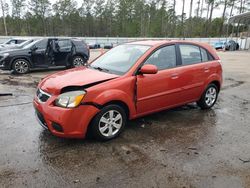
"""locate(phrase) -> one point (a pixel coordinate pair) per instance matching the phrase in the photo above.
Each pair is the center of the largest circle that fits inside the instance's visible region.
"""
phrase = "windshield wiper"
(100, 69)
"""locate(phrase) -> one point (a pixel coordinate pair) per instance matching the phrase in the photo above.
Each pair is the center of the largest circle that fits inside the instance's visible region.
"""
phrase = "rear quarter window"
(210, 57)
(204, 55)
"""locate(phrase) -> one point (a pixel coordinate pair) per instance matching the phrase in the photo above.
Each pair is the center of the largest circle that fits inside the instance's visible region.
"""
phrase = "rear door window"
(42, 45)
(65, 43)
(20, 41)
(190, 54)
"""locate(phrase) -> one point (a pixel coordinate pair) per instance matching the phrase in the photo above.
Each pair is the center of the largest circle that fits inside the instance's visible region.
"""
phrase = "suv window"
(64, 43)
(19, 41)
(163, 58)
(12, 42)
(190, 54)
(42, 44)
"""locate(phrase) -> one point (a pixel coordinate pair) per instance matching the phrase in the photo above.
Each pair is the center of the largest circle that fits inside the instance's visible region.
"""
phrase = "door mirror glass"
(148, 69)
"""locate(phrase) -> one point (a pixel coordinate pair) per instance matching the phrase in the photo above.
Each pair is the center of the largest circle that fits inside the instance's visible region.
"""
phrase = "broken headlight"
(70, 99)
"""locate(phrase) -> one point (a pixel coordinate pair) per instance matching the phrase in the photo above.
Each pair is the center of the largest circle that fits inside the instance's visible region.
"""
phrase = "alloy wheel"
(78, 61)
(21, 66)
(210, 96)
(110, 123)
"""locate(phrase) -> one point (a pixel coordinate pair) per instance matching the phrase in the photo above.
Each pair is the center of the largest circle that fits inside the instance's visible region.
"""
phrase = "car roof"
(150, 42)
(162, 42)
(156, 43)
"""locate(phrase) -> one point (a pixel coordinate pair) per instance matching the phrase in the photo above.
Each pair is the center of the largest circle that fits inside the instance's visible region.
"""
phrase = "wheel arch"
(217, 83)
(21, 57)
(119, 97)
(214, 79)
(119, 103)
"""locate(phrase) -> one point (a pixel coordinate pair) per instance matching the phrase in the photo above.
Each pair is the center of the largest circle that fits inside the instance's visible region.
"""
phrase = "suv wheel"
(108, 123)
(78, 61)
(209, 97)
(21, 66)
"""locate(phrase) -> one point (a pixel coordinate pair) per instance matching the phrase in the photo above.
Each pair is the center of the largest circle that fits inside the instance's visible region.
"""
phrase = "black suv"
(45, 53)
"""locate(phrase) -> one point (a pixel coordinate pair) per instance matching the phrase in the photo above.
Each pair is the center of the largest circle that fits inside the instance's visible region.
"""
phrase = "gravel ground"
(182, 147)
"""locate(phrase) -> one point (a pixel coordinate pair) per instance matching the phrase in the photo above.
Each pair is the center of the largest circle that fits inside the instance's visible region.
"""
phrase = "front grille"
(42, 96)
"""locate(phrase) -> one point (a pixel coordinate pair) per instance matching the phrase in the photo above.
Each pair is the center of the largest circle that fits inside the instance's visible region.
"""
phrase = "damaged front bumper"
(64, 122)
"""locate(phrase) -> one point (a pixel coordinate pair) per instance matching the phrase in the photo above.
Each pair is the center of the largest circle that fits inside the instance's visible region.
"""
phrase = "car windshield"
(120, 59)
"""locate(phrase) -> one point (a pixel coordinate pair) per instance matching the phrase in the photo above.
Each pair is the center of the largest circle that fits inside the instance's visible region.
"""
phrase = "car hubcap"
(110, 123)
(78, 62)
(210, 96)
(21, 66)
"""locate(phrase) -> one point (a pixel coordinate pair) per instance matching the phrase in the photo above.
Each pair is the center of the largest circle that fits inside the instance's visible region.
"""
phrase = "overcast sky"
(217, 11)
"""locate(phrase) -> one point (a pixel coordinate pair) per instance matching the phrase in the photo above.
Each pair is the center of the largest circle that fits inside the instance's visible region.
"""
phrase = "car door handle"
(206, 69)
(174, 76)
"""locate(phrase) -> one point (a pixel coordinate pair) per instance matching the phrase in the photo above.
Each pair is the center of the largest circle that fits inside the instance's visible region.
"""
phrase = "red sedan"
(127, 82)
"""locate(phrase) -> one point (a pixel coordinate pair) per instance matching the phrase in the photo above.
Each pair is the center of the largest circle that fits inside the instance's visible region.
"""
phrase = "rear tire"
(78, 61)
(21, 66)
(209, 97)
(108, 123)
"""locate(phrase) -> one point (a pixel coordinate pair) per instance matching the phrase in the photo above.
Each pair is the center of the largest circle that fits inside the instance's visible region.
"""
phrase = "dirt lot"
(183, 147)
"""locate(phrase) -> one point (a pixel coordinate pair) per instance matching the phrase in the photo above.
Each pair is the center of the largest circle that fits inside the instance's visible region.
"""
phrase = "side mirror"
(33, 48)
(148, 69)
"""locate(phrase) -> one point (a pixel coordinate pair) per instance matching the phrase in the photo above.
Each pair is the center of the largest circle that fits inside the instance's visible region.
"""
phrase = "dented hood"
(82, 76)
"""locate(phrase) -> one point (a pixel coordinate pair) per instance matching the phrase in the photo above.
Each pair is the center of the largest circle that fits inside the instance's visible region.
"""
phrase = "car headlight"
(70, 99)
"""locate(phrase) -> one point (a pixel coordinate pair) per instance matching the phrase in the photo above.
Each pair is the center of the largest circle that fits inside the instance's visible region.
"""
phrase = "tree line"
(123, 18)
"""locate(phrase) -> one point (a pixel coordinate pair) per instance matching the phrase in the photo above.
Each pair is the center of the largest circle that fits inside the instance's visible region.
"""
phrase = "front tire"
(209, 97)
(108, 123)
(21, 66)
